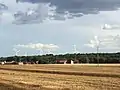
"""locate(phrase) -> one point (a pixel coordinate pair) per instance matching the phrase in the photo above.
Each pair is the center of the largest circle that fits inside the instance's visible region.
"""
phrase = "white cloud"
(111, 27)
(110, 42)
(42, 48)
(39, 46)
(94, 43)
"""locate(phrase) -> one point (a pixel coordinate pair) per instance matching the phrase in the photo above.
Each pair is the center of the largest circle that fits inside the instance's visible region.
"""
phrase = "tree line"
(80, 58)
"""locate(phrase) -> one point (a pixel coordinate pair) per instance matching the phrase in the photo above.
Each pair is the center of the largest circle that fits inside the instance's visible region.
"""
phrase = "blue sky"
(60, 22)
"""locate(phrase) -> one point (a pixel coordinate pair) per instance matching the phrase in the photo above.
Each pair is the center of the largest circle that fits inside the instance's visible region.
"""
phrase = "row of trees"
(81, 58)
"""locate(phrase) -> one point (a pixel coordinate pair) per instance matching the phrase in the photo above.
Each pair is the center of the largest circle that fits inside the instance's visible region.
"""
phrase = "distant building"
(10, 63)
(20, 63)
(2, 63)
(37, 62)
(72, 62)
(66, 61)
(61, 61)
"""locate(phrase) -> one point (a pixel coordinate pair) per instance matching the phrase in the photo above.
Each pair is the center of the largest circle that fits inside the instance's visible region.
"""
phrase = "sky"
(61, 23)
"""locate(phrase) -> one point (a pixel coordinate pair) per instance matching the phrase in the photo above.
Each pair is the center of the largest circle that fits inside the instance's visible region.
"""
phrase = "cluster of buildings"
(17, 63)
(67, 62)
(11, 63)
(37, 62)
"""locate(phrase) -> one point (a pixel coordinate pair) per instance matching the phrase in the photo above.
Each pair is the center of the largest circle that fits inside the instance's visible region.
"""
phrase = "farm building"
(61, 61)
(66, 61)
(20, 63)
(29, 62)
(9, 63)
(2, 63)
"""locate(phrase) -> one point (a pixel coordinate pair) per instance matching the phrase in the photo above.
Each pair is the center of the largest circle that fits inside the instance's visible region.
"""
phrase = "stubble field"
(60, 77)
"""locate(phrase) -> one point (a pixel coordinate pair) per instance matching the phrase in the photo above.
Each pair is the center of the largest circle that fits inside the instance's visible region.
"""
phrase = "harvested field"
(78, 77)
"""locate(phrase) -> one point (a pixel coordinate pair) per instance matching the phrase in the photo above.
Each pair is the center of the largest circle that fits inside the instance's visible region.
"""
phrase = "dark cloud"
(39, 14)
(80, 6)
(3, 7)
(66, 9)
(31, 16)
(27, 17)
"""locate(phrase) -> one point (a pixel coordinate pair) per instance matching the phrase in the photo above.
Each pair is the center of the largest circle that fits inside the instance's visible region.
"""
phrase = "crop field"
(60, 77)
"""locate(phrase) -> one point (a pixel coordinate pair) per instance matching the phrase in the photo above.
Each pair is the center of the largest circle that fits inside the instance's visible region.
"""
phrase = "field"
(60, 77)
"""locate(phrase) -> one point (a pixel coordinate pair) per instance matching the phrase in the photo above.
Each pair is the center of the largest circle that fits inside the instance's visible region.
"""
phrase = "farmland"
(60, 77)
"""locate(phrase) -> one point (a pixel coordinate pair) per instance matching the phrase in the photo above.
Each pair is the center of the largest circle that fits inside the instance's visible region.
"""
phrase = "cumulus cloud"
(32, 15)
(111, 42)
(110, 27)
(39, 46)
(60, 10)
(106, 42)
(42, 11)
(93, 43)
(66, 9)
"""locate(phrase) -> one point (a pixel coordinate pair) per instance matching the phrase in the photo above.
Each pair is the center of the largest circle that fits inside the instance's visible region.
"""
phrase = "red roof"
(60, 60)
